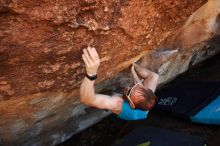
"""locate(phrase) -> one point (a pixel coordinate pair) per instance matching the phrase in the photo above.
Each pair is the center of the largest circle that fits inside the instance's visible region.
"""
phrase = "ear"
(150, 105)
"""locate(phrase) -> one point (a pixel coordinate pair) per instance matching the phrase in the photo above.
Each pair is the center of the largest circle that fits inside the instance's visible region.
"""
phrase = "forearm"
(88, 96)
(87, 91)
(136, 79)
(150, 78)
(144, 72)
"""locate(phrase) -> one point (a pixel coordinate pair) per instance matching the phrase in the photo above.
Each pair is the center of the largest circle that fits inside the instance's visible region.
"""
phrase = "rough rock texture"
(41, 42)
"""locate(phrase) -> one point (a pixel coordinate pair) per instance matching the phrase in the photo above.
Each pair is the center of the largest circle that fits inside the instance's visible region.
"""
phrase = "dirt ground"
(112, 128)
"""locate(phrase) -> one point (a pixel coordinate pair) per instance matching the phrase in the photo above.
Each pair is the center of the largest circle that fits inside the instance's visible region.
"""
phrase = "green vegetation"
(145, 144)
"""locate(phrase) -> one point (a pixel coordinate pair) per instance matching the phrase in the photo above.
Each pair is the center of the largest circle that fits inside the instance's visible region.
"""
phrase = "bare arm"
(150, 78)
(87, 92)
(136, 79)
(100, 101)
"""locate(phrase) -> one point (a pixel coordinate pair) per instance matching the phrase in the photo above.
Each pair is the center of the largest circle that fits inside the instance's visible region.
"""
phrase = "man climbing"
(135, 102)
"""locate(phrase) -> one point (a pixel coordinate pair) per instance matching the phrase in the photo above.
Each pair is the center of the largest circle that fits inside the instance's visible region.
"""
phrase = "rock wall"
(41, 43)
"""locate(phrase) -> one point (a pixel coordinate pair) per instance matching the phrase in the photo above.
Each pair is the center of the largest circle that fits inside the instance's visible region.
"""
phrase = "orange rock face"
(41, 43)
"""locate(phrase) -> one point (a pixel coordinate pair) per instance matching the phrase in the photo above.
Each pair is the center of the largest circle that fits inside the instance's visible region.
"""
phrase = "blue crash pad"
(210, 114)
(195, 101)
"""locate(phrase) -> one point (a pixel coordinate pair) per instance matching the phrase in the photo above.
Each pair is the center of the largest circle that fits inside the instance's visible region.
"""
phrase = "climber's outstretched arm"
(87, 91)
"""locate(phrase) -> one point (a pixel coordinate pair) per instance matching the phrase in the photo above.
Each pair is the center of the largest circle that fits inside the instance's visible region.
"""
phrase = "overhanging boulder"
(41, 44)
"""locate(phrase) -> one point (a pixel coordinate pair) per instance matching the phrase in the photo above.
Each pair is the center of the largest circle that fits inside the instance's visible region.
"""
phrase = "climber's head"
(140, 98)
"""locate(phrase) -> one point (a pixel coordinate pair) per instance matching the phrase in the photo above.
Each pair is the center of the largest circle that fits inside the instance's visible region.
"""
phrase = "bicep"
(112, 103)
(103, 101)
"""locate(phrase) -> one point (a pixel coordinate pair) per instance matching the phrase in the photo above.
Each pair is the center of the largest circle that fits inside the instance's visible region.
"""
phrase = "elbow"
(82, 101)
(85, 101)
(153, 77)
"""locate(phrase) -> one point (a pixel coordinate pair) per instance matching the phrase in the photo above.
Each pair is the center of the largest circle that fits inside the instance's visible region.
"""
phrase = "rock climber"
(135, 102)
